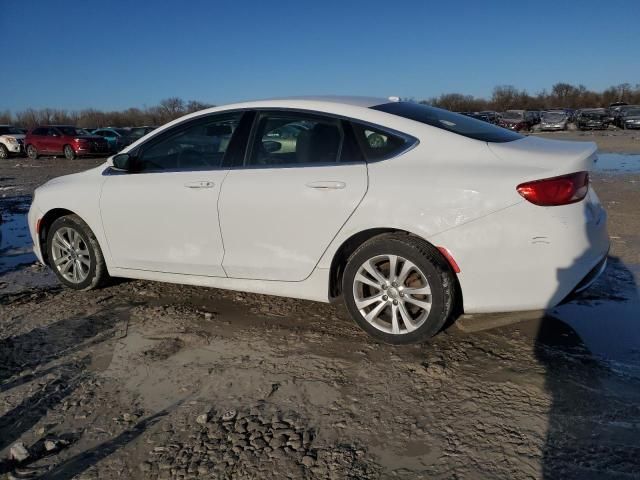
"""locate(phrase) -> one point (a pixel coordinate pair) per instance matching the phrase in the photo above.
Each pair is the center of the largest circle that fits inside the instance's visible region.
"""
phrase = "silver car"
(554, 120)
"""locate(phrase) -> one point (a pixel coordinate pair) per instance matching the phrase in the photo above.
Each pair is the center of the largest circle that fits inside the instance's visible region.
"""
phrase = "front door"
(301, 180)
(163, 215)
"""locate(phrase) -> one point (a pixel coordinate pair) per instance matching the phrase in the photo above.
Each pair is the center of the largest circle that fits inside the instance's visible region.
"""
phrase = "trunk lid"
(539, 157)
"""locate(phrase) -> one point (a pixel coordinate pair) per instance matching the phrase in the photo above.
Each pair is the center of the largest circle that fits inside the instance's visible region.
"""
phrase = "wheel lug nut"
(395, 302)
(385, 298)
(401, 294)
(384, 287)
(394, 284)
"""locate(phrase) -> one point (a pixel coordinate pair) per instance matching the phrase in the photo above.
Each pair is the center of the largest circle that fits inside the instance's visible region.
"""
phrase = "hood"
(512, 120)
(553, 120)
(17, 136)
(542, 157)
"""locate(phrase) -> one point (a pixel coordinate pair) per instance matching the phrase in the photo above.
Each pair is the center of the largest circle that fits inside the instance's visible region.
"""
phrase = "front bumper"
(93, 149)
(15, 147)
(33, 218)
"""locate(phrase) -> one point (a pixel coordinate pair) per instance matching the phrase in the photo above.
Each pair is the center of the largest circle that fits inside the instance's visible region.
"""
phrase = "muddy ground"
(148, 380)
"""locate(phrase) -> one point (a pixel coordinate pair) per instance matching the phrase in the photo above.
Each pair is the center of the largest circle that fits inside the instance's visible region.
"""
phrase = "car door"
(55, 140)
(162, 216)
(301, 179)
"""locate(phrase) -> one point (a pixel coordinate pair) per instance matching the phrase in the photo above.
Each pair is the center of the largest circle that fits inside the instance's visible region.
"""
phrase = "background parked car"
(136, 133)
(617, 112)
(67, 140)
(630, 118)
(117, 138)
(554, 120)
(491, 115)
(11, 141)
(518, 120)
(592, 119)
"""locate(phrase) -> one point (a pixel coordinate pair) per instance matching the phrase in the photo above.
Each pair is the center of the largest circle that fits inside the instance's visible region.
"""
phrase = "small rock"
(202, 418)
(128, 417)
(18, 452)
(308, 461)
(50, 445)
(229, 415)
(145, 467)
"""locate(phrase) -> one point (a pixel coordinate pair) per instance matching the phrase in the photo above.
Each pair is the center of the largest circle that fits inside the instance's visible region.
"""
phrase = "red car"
(64, 140)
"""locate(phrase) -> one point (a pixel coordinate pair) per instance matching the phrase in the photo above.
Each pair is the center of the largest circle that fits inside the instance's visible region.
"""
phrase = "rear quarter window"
(378, 144)
(449, 121)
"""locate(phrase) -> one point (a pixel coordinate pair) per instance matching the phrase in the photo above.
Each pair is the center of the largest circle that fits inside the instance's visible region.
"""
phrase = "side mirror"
(271, 146)
(121, 162)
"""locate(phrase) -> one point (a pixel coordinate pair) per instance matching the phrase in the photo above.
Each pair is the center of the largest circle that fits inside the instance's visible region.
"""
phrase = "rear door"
(301, 179)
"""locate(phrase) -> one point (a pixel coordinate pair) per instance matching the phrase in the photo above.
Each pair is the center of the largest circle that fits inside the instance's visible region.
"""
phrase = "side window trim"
(139, 150)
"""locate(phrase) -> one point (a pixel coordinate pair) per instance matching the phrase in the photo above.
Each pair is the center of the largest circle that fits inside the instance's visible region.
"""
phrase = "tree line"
(168, 109)
(561, 95)
(505, 97)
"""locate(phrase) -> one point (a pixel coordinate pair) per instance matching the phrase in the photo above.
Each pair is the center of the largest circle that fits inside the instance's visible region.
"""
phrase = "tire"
(4, 152)
(90, 268)
(32, 152)
(428, 274)
(69, 152)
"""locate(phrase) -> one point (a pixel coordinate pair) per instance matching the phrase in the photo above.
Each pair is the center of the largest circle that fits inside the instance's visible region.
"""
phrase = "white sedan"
(409, 213)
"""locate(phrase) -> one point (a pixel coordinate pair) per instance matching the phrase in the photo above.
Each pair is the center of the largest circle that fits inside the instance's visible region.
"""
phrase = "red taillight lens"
(557, 190)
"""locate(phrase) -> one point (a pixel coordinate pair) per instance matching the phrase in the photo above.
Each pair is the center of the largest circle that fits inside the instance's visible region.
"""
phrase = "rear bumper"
(528, 257)
(590, 278)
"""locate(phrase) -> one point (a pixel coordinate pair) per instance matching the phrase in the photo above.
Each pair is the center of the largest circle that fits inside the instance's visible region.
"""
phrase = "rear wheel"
(74, 254)
(32, 152)
(4, 152)
(399, 289)
(69, 153)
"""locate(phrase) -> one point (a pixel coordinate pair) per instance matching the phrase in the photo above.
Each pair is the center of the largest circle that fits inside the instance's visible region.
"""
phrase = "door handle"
(324, 185)
(200, 184)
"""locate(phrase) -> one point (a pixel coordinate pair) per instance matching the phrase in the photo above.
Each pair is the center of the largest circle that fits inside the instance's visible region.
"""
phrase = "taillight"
(554, 191)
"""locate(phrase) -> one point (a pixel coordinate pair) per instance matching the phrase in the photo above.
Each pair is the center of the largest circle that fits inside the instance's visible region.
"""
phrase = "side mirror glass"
(122, 162)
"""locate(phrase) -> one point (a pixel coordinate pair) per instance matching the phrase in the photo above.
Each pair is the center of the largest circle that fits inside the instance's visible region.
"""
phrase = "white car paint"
(268, 232)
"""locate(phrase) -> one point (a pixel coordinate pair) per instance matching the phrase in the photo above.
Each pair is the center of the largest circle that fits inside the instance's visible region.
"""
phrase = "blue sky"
(115, 54)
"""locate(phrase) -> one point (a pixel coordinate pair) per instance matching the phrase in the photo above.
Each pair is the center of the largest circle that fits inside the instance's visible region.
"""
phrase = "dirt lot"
(148, 380)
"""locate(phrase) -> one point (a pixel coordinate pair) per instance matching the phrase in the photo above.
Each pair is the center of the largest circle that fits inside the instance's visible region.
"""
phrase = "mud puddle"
(16, 247)
(617, 163)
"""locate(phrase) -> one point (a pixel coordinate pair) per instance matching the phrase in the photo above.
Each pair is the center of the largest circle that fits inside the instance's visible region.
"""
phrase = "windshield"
(633, 111)
(9, 131)
(511, 115)
(452, 122)
(554, 116)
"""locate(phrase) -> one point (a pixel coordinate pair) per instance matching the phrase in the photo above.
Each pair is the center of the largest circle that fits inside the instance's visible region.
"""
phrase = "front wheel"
(69, 153)
(74, 254)
(399, 289)
(4, 152)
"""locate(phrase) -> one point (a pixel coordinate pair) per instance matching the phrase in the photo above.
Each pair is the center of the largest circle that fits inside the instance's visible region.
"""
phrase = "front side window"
(295, 139)
(200, 145)
(452, 122)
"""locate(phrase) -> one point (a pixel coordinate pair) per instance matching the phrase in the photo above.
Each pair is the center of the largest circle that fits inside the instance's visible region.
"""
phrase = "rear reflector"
(447, 254)
(555, 191)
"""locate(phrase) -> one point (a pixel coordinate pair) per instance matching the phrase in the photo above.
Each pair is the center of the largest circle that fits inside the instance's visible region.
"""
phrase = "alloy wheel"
(392, 294)
(71, 255)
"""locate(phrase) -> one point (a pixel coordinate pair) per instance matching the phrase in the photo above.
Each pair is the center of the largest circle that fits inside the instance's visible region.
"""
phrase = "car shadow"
(590, 378)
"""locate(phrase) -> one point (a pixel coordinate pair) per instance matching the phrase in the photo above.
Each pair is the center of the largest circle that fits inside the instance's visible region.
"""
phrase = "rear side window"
(378, 144)
(452, 122)
(295, 139)
(40, 131)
